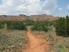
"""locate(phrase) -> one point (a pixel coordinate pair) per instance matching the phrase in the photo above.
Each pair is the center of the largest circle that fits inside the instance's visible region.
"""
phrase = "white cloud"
(68, 6)
(2, 10)
(29, 7)
(59, 9)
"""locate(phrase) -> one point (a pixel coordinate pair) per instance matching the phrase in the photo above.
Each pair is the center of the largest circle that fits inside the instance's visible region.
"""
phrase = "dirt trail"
(36, 44)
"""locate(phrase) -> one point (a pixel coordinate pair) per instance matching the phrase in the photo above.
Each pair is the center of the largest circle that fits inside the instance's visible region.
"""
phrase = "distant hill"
(22, 17)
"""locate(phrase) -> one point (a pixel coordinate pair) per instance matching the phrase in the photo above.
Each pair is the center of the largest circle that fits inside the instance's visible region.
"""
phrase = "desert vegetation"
(29, 22)
(41, 26)
(62, 26)
(1, 24)
(12, 38)
(58, 37)
(19, 25)
(12, 41)
(56, 32)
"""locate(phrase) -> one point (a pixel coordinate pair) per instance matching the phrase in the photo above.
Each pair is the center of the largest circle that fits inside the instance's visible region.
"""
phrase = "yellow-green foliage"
(64, 50)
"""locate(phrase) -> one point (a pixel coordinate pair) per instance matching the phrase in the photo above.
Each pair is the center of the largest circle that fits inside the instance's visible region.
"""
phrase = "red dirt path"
(36, 44)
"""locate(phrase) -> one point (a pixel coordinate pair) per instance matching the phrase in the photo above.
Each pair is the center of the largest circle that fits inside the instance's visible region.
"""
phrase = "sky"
(34, 7)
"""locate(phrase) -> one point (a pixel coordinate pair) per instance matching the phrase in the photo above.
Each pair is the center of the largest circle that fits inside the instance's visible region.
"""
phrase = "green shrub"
(18, 25)
(1, 24)
(41, 26)
(28, 22)
(60, 44)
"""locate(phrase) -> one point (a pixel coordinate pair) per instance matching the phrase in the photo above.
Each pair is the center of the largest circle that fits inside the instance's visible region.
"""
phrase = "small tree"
(62, 26)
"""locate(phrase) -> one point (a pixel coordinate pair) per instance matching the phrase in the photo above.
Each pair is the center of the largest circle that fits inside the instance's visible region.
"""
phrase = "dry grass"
(17, 38)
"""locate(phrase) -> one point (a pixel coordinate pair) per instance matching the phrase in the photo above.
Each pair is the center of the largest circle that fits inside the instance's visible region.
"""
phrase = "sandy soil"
(36, 44)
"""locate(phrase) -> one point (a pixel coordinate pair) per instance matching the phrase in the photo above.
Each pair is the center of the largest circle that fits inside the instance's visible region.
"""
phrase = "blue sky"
(0, 1)
(34, 7)
(64, 5)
